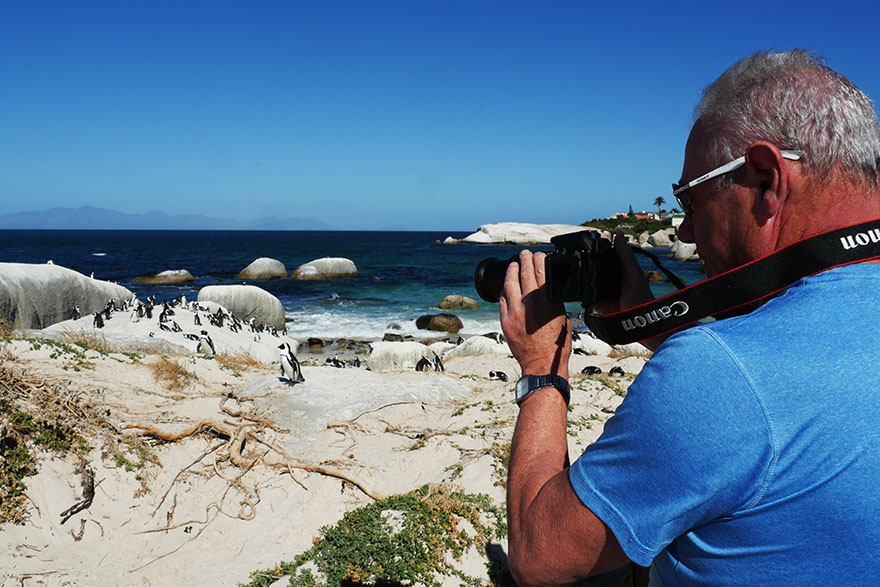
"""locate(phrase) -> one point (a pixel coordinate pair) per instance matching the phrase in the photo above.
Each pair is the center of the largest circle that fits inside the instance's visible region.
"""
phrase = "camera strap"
(730, 293)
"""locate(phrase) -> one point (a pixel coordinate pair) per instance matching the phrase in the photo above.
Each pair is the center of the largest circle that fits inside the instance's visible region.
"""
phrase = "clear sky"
(416, 115)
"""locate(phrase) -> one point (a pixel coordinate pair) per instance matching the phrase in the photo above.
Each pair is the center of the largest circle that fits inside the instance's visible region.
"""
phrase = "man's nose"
(686, 230)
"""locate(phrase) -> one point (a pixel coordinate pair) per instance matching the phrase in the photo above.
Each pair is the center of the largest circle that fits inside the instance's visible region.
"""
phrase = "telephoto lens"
(489, 277)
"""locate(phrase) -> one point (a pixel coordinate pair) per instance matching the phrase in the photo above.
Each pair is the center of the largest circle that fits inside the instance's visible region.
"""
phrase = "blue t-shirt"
(747, 452)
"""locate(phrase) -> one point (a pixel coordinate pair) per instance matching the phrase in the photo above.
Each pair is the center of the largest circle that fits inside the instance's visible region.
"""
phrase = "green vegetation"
(72, 357)
(404, 539)
(626, 225)
(20, 433)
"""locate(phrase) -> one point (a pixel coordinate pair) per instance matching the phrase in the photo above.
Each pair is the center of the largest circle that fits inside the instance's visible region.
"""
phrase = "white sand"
(210, 509)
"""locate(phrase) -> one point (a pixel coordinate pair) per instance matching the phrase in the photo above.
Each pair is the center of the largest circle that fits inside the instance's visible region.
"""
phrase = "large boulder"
(457, 302)
(395, 356)
(440, 322)
(264, 268)
(246, 302)
(325, 268)
(478, 345)
(519, 233)
(683, 251)
(169, 276)
(37, 296)
(660, 239)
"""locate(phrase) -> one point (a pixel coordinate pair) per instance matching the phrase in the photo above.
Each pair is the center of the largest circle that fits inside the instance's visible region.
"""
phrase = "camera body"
(584, 268)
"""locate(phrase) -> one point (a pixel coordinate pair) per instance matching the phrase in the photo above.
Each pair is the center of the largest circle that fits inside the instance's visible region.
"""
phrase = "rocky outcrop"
(440, 322)
(246, 302)
(37, 296)
(517, 233)
(170, 276)
(325, 268)
(263, 268)
(457, 302)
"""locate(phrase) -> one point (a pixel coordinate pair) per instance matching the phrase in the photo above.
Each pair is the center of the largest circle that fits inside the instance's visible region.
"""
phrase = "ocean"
(401, 275)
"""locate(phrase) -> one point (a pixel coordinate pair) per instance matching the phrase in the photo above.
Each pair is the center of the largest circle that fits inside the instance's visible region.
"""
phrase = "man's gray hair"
(794, 101)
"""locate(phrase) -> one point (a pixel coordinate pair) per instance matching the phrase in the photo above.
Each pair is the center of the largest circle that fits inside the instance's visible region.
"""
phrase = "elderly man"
(747, 452)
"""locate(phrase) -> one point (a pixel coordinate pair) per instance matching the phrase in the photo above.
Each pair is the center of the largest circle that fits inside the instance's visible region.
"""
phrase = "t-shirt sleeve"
(690, 443)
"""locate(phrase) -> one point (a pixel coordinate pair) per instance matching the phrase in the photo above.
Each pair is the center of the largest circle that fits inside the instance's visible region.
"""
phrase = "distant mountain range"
(91, 218)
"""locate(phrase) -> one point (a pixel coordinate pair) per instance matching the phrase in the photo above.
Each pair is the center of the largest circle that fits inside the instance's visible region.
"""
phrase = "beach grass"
(237, 362)
(171, 374)
(408, 539)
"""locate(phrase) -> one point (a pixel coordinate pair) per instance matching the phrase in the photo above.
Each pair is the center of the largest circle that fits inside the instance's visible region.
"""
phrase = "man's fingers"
(527, 278)
(540, 274)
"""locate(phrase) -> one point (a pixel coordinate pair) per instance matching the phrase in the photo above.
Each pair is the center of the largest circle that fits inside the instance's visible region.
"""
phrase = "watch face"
(522, 388)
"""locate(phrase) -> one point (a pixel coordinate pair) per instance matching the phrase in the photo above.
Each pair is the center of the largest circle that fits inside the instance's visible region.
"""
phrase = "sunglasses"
(685, 202)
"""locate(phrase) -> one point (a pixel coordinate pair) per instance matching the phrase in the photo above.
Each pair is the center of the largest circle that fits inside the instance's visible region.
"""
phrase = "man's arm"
(553, 538)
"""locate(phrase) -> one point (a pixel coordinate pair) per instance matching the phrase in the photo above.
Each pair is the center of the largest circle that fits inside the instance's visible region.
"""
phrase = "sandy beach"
(206, 469)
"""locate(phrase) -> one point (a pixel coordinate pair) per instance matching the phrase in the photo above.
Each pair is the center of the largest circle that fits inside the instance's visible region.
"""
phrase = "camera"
(583, 268)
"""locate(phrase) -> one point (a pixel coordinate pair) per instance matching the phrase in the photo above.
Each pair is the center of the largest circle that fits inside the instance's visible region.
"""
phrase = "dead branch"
(219, 428)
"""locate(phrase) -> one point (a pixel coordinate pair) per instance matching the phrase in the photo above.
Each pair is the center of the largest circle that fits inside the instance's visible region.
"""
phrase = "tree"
(659, 201)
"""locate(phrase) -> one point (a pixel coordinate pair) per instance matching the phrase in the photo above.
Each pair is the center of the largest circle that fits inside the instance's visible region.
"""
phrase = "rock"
(37, 295)
(643, 238)
(441, 322)
(263, 268)
(393, 356)
(315, 342)
(660, 239)
(392, 337)
(683, 251)
(457, 302)
(636, 349)
(325, 268)
(170, 276)
(522, 233)
(246, 302)
(450, 241)
(478, 345)
(592, 346)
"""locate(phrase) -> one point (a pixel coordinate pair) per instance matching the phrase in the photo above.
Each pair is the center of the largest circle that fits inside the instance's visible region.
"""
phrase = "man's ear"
(768, 175)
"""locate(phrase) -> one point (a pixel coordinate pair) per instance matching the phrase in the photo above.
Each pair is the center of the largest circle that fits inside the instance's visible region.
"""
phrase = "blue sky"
(372, 115)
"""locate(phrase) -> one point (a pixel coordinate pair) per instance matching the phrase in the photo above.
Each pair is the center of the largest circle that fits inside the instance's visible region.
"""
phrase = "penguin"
(98, 322)
(196, 320)
(355, 363)
(175, 327)
(164, 326)
(108, 309)
(424, 364)
(206, 345)
(438, 364)
(335, 362)
(163, 316)
(191, 336)
(575, 336)
(76, 312)
(497, 376)
(581, 352)
(290, 368)
(616, 372)
(591, 370)
(148, 310)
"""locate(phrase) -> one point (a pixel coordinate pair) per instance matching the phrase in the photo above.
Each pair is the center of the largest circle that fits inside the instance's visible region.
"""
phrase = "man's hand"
(634, 288)
(536, 329)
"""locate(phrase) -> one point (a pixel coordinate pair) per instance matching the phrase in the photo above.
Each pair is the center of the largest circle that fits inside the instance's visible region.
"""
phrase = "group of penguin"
(139, 310)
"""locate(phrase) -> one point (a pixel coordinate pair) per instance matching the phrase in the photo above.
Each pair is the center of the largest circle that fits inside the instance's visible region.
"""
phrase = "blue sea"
(401, 275)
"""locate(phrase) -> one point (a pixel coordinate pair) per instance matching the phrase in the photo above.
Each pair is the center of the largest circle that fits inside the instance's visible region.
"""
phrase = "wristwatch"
(531, 383)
